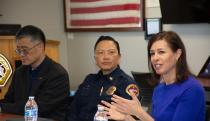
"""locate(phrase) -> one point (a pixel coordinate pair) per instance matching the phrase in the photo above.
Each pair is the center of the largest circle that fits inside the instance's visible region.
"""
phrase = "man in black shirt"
(38, 76)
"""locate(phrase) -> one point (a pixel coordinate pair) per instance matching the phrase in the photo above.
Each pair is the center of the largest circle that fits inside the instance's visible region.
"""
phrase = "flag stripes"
(100, 13)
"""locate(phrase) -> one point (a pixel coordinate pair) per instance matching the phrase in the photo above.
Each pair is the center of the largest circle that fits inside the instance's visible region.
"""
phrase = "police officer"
(101, 86)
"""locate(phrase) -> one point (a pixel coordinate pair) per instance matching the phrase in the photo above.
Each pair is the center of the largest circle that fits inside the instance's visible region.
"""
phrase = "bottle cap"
(31, 97)
(101, 108)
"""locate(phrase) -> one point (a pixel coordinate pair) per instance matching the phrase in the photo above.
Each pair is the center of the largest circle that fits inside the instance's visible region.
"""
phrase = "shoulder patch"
(132, 88)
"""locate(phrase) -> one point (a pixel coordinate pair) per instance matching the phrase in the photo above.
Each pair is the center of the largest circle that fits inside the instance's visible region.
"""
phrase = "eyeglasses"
(25, 51)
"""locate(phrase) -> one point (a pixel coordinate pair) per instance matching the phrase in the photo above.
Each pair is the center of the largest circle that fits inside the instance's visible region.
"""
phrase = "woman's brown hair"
(175, 43)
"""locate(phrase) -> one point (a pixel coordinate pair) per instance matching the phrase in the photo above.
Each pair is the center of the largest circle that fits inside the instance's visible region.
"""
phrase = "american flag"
(103, 13)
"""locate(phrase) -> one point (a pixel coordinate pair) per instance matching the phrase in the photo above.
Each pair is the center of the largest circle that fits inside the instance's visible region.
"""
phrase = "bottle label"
(31, 115)
(31, 112)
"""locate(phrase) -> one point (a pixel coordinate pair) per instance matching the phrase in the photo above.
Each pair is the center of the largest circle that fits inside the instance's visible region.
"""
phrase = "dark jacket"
(97, 87)
(50, 88)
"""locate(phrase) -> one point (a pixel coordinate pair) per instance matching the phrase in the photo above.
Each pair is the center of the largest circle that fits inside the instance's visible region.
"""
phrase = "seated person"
(38, 76)
(178, 96)
(101, 86)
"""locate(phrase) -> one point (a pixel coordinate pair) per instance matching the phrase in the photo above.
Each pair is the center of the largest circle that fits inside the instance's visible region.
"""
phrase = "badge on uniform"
(132, 88)
(5, 70)
(111, 90)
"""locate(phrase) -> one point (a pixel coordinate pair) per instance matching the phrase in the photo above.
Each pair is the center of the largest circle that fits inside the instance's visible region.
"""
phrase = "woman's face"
(163, 59)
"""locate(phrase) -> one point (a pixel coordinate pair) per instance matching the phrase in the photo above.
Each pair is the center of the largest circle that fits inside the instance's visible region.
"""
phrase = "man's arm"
(53, 94)
(9, 96)
(8, 105)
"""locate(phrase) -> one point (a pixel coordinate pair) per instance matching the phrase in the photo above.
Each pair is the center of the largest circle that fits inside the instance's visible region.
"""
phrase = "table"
(5, 116)
(13, 117)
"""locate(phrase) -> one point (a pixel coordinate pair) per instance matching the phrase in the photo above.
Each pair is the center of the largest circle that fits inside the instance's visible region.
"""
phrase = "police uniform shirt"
(97, 87)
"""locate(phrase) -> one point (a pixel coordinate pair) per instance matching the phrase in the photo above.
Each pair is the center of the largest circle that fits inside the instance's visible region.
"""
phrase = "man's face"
(29, 52)
(107, 56)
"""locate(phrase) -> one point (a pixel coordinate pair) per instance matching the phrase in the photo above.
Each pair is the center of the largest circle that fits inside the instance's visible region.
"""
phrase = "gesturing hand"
(112, 113)
(130, 107)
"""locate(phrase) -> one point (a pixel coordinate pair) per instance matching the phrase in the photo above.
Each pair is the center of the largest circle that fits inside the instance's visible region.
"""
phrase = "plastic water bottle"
(31, 110)
(100, 115)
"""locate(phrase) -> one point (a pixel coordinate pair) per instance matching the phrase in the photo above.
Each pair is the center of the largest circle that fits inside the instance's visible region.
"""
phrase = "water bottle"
(100, 115)
(31, 110)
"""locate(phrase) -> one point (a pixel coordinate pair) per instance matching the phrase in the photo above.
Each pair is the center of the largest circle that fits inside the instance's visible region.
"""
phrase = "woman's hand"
(112, 113)
(130, 107)
(122, 109)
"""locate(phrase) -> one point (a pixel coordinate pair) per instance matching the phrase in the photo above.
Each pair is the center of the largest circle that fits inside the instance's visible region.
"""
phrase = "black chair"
(207, 113)
(146, 85)
(207, 94)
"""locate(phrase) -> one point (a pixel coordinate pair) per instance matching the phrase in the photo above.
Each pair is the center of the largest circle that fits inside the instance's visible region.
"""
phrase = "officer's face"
(106, 56)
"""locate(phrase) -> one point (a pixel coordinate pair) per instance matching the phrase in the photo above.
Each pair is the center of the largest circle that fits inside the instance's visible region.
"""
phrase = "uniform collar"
(42, 66)
(39, 66)
(111, 76)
